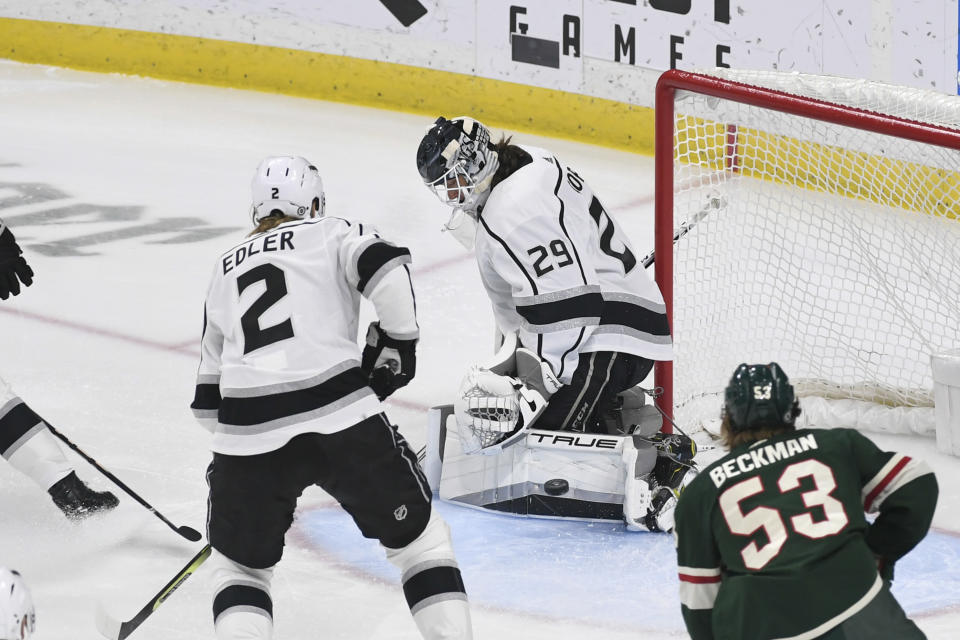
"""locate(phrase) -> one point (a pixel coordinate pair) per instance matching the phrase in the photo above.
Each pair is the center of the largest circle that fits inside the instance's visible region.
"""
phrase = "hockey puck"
(556, 487)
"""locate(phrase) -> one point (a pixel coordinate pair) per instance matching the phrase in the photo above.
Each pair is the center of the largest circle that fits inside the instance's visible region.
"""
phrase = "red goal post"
(737, 148)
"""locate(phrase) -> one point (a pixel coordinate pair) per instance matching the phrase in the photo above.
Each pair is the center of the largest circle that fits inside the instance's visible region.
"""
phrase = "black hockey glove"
(13, 268)
(389, 363)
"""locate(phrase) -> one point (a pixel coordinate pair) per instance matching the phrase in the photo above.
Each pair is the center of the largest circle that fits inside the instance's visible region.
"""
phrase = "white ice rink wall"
(581, 69)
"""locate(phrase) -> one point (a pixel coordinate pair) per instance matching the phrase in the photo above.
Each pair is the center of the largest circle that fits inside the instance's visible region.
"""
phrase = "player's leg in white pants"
(242, 608)
(27, 444)
(432, 583)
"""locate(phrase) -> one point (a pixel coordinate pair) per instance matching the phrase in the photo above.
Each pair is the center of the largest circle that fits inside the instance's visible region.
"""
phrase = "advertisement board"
(612, 49)
(536, 42)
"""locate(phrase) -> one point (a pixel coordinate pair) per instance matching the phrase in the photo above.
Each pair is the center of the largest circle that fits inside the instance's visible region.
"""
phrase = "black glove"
(13, 268)
(389, 363)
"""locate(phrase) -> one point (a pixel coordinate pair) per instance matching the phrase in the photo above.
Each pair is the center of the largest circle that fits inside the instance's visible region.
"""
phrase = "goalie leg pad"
(639, 459)
(657, 470)
(242, 608)
(432, 583)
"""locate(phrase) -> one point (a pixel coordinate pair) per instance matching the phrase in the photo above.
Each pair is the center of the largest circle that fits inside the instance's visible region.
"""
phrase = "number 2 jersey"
(279, 353)
(772, 541)
(560, 272)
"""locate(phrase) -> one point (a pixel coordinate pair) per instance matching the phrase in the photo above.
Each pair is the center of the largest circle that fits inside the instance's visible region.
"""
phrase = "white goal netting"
(832, 250)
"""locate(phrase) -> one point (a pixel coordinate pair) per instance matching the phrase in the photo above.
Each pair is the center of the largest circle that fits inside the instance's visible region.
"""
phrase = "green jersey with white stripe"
(772, 541)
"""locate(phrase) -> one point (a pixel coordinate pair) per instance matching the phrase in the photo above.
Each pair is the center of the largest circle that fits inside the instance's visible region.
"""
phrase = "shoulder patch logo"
(400, 512)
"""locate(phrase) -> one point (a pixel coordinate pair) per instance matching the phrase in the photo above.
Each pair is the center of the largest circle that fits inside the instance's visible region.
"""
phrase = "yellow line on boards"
(329, 77)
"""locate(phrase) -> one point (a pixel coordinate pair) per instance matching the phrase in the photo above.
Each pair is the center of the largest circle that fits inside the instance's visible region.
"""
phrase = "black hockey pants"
(599, 377)
(882, 619)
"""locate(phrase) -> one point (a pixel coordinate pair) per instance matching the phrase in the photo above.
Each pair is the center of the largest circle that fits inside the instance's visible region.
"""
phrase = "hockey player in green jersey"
(772, 541)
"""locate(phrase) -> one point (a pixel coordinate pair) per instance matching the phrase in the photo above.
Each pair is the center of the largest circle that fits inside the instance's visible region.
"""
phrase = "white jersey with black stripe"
(561, 272)
(279, 354)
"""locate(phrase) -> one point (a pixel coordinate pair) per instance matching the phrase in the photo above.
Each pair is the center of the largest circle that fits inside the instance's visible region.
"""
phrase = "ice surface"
(122, 192)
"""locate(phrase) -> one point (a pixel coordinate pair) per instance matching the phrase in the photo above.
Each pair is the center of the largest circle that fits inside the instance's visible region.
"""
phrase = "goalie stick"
(714, 204)
(187, 532)
(114, 629)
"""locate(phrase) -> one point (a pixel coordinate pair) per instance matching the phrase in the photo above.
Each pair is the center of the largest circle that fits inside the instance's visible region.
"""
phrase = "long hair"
(270, 222)
(511, 158)
(732, 439)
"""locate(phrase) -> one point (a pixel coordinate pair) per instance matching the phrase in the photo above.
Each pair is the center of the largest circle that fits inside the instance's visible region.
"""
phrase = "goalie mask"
(457, 161)
(17, 617)
(760, 396)
(288, 186)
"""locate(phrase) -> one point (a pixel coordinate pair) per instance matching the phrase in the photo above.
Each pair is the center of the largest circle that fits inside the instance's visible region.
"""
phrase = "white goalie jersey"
(279, 354)
(560, 272)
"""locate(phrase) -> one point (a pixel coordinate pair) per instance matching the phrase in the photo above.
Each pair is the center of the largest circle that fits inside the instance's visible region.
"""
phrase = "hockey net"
(818, 224)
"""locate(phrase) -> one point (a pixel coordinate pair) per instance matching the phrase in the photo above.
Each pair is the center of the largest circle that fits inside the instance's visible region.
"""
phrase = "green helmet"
(758, 396)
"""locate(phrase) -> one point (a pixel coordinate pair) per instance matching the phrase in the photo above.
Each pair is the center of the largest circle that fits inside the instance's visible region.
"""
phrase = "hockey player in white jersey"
(292, 402)
(556, 267)
(560, 274)
(25, 441)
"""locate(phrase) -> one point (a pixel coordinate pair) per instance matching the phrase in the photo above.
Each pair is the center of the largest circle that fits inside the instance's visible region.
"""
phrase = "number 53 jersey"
(559, 270)
(772, 541)
(279, 353)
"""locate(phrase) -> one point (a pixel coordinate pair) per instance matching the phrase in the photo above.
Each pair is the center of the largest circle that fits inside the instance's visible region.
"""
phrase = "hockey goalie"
(490, 450)
(565, 283)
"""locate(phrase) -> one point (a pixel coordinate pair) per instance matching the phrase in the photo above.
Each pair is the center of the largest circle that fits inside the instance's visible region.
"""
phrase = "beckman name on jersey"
(288, 300)
(760, 456)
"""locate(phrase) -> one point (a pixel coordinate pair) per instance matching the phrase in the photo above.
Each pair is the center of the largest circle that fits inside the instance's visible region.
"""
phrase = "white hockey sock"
(236, 624)
(432, 583)
(38, 456)
(242, 608)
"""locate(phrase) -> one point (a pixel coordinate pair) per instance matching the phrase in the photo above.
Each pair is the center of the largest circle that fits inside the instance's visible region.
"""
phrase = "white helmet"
(289, 185)
(17, 618)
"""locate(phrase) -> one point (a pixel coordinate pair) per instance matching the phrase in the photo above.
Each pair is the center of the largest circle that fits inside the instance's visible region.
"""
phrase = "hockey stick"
(714, 204)
(187, 532)
(115, 629)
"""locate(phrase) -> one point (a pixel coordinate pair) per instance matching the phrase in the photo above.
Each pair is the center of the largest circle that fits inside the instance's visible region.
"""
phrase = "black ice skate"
(660, 514)
(671, 473)
(675, 453)
(77, 500)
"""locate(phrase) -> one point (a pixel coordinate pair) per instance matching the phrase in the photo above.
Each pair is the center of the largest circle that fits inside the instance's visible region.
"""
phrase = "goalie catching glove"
(494, 411)
(389, 363)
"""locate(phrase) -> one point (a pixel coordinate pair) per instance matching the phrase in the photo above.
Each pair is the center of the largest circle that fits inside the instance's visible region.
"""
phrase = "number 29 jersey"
(279, 353)
(772, 541)
(561, 273)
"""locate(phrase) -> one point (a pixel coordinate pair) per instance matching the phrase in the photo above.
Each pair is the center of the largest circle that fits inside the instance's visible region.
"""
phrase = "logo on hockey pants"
(400, 512)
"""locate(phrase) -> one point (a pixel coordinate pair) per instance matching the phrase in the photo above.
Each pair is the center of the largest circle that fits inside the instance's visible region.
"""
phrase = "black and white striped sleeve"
(366, 257)
(206, 398)
(380, 271)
